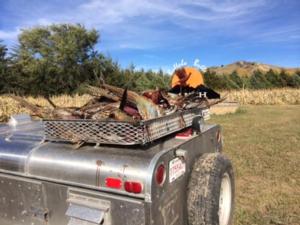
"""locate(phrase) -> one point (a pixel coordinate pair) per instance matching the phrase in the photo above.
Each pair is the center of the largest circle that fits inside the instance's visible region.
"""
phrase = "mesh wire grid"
(115, 132)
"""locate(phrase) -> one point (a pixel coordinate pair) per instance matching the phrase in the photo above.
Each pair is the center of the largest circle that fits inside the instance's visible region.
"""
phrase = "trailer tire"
(211, 191)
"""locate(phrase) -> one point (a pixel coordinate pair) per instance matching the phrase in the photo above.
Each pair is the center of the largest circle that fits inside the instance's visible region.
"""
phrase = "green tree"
(295, 81)
(285, 78)
(212, 80)
(297, 77)
(219, 82)
(162, 80)
(102, 69)
(275, 79)
(290, 80)
(259, 81)
(237, 80)
(55, 59)
(3, 67)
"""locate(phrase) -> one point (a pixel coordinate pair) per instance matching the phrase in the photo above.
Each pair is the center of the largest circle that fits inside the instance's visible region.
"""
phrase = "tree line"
(62, 59)
(258, 80)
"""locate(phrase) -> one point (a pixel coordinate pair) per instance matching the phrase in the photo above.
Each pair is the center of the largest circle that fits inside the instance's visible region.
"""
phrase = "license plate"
(176, 169)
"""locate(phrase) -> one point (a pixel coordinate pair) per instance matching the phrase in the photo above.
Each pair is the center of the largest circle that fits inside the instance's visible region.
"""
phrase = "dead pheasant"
(145, 106)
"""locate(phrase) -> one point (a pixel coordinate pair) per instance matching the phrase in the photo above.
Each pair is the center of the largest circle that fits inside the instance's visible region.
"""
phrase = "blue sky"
(157, 34)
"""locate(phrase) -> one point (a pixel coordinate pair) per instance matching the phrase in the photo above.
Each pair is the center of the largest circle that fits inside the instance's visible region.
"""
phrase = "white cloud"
(106, 12)
(137, 24)
(9, 35)
(145, 24)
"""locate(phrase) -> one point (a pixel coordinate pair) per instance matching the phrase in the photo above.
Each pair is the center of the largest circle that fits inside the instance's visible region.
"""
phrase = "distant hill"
(244, 68)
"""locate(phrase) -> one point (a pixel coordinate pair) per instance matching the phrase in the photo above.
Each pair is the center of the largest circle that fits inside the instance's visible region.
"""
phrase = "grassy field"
(284, 96)
(264, 145)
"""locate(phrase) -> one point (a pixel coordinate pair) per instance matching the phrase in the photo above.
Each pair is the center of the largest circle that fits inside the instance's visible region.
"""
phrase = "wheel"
(210, 199)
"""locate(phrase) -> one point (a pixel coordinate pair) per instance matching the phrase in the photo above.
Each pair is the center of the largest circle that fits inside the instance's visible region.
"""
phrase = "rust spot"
(99, 162)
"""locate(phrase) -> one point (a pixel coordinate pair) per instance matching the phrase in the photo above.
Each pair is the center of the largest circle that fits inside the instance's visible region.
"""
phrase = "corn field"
(284, 96)
(9, 106)
(244, 97)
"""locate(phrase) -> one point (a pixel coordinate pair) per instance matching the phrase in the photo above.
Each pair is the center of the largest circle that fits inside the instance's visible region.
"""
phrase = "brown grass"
(244, 97)
(244, 68)
(284, 96)
(9, 107)
(263, 143)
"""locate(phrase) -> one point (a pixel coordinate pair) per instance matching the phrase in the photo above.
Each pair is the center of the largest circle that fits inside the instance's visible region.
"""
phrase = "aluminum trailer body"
(53, 183)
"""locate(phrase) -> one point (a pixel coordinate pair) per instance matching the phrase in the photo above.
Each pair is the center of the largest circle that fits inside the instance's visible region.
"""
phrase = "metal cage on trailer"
(145, 174)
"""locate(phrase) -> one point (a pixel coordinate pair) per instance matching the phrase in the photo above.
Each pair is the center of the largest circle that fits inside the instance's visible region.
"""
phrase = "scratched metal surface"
(169, 202)
(26, 201)
(59, 166)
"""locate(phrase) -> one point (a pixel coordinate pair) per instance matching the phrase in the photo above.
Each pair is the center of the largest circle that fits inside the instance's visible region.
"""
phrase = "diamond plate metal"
(118, 133)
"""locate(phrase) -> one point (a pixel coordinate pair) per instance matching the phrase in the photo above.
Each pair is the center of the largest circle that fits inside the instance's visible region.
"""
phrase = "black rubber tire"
(204, 189)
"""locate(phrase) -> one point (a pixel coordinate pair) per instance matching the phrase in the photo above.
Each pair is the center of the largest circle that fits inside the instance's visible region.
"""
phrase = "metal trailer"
(168, 182)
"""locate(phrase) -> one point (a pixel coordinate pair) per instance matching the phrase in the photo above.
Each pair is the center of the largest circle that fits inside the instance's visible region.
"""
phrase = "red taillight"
(160, 174)
(133, 187)
(112, 182)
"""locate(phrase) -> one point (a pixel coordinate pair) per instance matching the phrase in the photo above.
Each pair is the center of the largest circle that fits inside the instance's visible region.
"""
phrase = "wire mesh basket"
(118, 133)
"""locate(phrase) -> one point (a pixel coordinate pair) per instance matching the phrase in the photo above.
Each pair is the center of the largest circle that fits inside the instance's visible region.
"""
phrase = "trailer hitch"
(198, 124)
